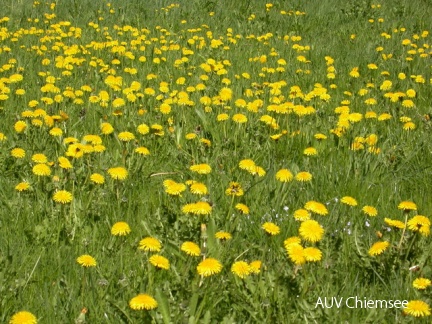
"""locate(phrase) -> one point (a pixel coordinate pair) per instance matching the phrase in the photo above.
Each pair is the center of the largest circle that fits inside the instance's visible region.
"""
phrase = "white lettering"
(338, 304)
(319, 302)
(346, 302)
(325, 302)
(380, 302)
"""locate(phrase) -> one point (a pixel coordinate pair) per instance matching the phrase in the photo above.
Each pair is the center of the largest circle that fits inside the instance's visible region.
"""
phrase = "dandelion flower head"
(23, 317)
(417, 308)
(150, 244)
(86, 261)
(208, 267)
(143, 301)
(120, 229)
(191, 248)
(241, 269)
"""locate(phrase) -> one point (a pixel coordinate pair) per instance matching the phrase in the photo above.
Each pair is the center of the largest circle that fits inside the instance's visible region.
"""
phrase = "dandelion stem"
(229, 209)
(403, 232)
(204, 240)
(34, 268)
(410, 246)
(83, 287)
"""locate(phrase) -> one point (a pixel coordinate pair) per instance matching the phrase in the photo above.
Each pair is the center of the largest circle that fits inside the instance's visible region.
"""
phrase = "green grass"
(40, 239)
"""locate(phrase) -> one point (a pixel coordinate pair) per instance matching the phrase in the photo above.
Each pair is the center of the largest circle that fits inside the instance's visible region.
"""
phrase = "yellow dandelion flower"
(39, 158)
(291, 240)
(394, 223)
(118, 102)
(41, 170)
(370, 211)
(198, 188)
(354, 73)
(106, 128)
(421, 283)
(350, 201)
(173, 188)
(370, 115)
(23, 317)
(411, 93)
(316, 207)
(126, 136)
(310, 151)
(97, 178)
(56, 131)
(417, 308)
(408, 103)
(378, 248)
(302, 215)
(222, 117)
(118, 173)
(143, 129)
(310, 230)
(296, 253)
(225, 94)
(198, 208)
(120, 229)
(242, 208)
(209, 267)
(320, 136)
(384, 117)
(22, 186)
(191, 136)
(75, 150)
(255, 267)
(303, 176)
(86, 261)
(191, 248)
(150, 244)
(271, 228)
(20, 126)
(159, 262)
(239, 118)
(248, 165)
(70, 140)
(420, 223)
(407, 206)
(143, 301)
(371, 140)
(259, 171)
(63, 197)
(386, 85)
(18, 153)
(234, 189)
(241, 269)
(356, 146)
(201, 168)
(142, 150)
(223, 236)
(312, 254)
(284, 175)
(64, 163)
(409, 126)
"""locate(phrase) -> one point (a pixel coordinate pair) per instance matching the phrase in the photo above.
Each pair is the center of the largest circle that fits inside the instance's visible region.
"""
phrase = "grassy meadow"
(214, 161)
